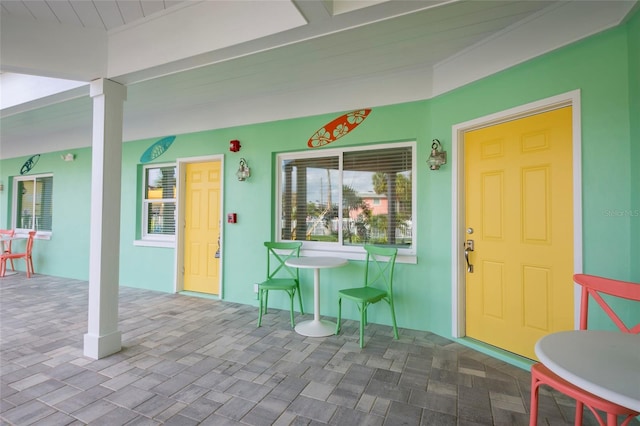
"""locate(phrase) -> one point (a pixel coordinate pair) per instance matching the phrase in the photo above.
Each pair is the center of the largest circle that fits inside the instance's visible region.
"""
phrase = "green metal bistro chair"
(379, 267)
(280, 276)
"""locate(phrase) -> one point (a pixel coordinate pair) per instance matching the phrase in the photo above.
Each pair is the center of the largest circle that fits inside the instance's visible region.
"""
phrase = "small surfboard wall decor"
(337, 128)
(29, 164)
(157, 149)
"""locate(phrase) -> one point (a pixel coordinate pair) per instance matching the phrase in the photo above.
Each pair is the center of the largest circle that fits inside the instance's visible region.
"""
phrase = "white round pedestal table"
(605, 363)
(316, 327)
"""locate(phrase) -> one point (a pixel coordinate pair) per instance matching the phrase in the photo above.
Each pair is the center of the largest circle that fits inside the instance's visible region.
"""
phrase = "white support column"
(103, 337)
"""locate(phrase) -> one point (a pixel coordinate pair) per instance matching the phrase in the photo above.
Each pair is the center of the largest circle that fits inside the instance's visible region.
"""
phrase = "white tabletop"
(316, 327)
(316, 262)
(605, 363)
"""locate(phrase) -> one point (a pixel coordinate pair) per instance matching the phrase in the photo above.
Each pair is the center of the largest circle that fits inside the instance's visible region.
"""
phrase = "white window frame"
(145, 206)
(311, 248)
(46, 234)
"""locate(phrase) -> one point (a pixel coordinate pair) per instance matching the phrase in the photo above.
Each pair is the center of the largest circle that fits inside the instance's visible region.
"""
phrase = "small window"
(335, 199)
(33, 203)
(159, 202)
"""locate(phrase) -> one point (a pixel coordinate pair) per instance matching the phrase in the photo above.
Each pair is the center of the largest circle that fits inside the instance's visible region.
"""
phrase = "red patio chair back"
(6, 245)
(594, 287)
(26, 256)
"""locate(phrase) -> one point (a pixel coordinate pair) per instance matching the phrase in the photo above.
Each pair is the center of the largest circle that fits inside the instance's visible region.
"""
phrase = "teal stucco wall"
(633, 35)
(605, 69)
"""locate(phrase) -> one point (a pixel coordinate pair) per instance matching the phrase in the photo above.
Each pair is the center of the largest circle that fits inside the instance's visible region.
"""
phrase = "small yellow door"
(202, 227)
(519, 214)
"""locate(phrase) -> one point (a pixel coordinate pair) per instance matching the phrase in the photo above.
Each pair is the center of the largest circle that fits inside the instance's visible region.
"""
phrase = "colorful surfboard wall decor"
(29, 164)
(337, 128)
(157, 149)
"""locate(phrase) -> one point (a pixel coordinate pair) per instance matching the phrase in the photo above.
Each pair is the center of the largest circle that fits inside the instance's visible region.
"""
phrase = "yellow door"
(202, 227)
(519, 214)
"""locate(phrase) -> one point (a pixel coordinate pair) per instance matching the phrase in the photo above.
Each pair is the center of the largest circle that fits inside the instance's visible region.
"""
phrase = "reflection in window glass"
(34, 203)
(352, 197)
(160, 200)
(310, 198)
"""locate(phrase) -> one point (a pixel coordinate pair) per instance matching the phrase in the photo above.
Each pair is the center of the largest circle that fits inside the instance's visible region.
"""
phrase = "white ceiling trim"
(563, 24)
(200, 28)
(100, 15)
(52, 50)
(378, 55)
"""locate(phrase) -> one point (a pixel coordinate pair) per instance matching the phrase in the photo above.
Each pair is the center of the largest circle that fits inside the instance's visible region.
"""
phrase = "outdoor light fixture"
(243, 171)
(437, 157)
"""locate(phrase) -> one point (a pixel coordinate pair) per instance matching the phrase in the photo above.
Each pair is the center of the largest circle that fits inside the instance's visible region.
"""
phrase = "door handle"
(217, 254)
(468, 247)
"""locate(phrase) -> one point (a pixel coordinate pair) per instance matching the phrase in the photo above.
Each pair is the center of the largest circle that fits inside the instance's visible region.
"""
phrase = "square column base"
(97, 347)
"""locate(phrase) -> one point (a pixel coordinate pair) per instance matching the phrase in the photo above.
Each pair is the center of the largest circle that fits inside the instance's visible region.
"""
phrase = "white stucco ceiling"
(195, 65)
(99, 14)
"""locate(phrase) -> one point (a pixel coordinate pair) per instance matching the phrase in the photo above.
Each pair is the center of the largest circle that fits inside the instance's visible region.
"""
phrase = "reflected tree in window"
(350, 197)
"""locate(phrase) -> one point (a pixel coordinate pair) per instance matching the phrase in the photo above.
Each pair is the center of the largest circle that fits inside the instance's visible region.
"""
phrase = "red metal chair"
(6, 245)
(540, 375)
(26, 256)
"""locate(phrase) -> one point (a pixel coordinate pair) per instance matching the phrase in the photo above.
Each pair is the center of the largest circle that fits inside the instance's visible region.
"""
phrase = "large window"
(343, 199)
(33, 203)
(159, 202)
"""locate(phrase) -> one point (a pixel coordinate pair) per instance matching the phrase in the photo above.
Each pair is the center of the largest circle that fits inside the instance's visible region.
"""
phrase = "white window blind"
(348, 197)
(159, 202)
(33, 203)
